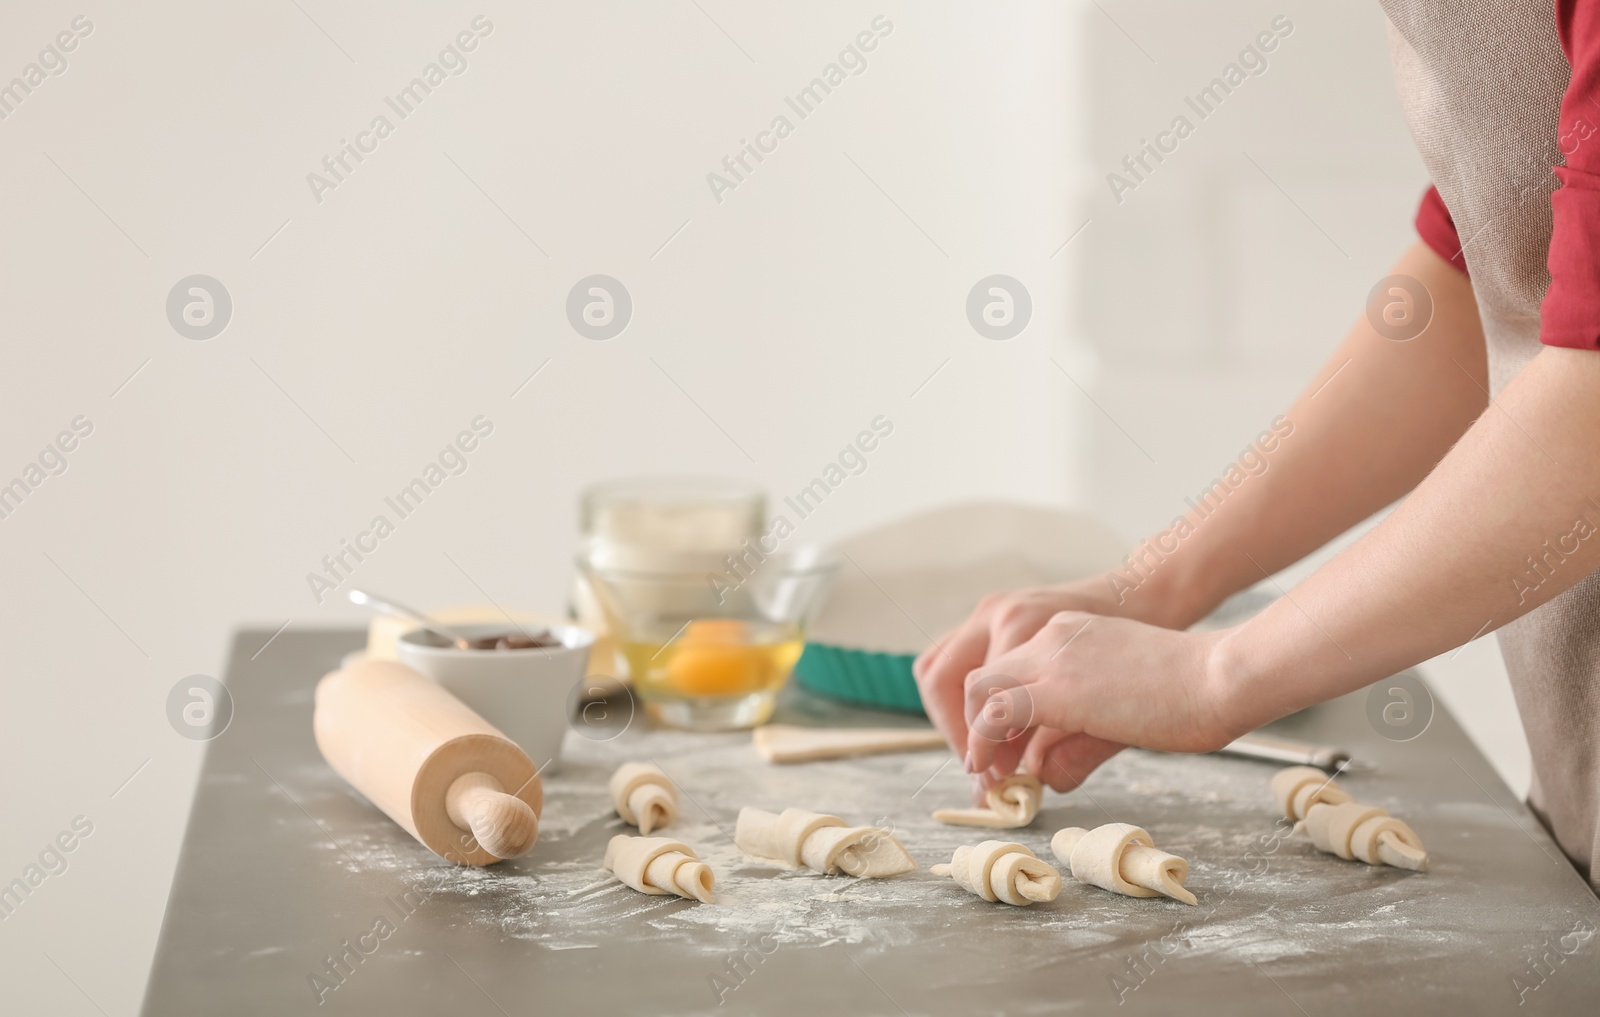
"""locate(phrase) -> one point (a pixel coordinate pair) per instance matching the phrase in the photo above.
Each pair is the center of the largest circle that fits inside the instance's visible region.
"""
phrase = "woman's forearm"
(1378, 417)
(1507, 521)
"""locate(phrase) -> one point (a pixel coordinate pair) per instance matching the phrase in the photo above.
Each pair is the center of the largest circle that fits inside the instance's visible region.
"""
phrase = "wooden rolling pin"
(454, 782)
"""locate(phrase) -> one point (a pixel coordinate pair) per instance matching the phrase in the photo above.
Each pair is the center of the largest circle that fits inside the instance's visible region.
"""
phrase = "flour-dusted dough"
(821, 843)
(998, 870)
(787, 743)
(644, 796)
(1353, 830)
(659, 865)
(1300, 787)
(1122, 858)
(1342, 826)
(1011, 804)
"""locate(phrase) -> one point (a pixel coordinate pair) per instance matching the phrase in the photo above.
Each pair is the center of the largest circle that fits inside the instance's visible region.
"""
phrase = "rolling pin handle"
(504, 825)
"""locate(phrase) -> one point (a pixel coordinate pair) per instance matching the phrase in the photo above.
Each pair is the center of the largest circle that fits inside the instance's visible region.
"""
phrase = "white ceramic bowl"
(525, 693)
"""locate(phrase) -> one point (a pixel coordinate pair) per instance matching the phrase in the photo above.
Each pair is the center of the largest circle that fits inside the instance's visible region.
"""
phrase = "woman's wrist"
(1278, 662)
(1174, 594)
(1242, 665)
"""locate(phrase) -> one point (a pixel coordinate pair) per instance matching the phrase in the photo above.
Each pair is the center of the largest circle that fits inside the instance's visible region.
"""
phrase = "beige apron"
(1481, 82)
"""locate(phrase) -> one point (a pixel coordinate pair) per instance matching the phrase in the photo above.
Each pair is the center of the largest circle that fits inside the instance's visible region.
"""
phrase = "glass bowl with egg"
(708, 637)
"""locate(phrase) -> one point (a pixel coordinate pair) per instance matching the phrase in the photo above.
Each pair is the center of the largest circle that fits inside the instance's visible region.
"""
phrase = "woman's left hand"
(1084, 687)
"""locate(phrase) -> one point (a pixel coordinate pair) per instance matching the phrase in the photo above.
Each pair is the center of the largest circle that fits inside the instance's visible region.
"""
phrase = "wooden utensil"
(786, 743)
(453, 781)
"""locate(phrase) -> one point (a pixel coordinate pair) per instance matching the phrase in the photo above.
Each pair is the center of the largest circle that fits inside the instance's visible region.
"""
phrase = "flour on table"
(1265, 893)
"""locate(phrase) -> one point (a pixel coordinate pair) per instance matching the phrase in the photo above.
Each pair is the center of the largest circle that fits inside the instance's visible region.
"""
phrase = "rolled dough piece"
(1122, 858)
(787, 743)
(1352, 830)
(1298, 788)
(644, 796)
(659, 865)
(998, 870)
(821, 843)
(1011, 804)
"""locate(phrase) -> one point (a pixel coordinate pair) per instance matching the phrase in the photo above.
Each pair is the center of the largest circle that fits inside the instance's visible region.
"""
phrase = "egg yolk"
(712, 658)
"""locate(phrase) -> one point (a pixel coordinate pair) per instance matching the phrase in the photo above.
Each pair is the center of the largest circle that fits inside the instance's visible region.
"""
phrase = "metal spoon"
(393, 607)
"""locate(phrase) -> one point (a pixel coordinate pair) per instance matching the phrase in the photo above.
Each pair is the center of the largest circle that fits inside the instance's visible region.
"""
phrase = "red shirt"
(1571, 313)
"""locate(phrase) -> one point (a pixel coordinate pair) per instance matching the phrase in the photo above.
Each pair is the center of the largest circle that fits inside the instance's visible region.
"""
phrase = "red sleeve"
(1438, 230)
(1571, 313)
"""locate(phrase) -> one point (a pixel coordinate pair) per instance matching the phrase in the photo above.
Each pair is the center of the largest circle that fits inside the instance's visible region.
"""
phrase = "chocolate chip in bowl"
(516, 639)
(520, 640)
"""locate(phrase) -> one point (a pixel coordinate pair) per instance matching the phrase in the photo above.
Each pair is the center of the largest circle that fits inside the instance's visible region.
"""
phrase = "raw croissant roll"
(659, 865)
(1343, 827)
(1353, 830)
(1300, 787)
(644, 796)
(997, 870)
(1122, 858)
(1011, 804)
(821, 843)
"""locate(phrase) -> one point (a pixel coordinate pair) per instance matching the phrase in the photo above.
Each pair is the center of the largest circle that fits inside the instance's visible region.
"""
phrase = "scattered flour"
(1265, 894)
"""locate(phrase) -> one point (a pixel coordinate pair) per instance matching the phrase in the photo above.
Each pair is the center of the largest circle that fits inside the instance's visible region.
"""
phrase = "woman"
(1498, 529)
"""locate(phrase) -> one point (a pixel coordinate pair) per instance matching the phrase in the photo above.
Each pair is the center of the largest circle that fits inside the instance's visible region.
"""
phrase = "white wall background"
(826, 289)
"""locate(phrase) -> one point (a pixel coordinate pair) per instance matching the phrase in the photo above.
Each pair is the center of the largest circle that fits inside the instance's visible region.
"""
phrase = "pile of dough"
(821, 843)
(644, 796)
(997, 870)
(1122, 858)
(1344, 827)
(1011, 803)
(1300, 787)
(659, 865)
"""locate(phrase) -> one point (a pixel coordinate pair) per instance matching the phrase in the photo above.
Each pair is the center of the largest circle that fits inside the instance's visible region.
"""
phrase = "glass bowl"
(709, 638)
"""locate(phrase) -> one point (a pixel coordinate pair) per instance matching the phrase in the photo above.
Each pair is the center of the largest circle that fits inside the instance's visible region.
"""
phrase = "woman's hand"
(1356, 445)
(1084, 686)
(1003, 622)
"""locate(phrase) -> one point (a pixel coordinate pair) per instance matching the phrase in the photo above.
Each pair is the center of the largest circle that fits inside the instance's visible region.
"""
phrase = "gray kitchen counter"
(283, 865)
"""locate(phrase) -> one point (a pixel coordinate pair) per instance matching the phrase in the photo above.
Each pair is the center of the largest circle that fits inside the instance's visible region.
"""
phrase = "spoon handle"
(395, 607)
